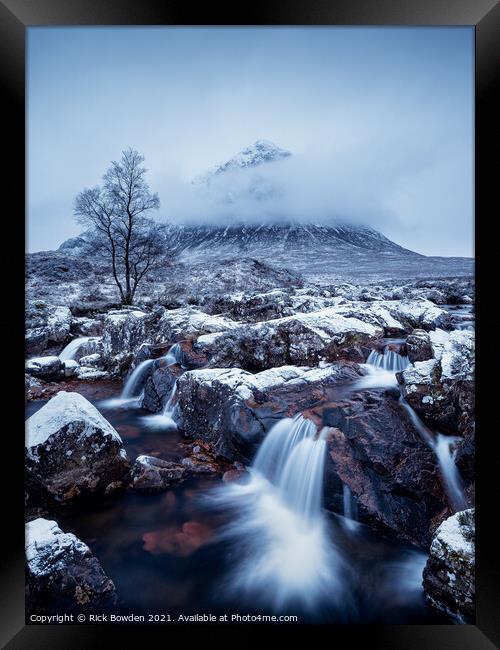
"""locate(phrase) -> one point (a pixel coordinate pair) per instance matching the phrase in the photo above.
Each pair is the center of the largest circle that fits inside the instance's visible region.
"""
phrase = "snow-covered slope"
(261, 151)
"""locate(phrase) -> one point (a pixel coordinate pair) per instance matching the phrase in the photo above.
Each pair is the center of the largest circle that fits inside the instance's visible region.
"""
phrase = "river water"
(192, 549)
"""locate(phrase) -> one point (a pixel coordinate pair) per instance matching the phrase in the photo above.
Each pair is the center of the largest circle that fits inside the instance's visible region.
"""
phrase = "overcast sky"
(380, 121)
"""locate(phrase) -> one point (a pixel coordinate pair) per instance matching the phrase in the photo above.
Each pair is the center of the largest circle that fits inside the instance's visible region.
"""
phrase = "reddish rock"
(177, 540)
(376, 451)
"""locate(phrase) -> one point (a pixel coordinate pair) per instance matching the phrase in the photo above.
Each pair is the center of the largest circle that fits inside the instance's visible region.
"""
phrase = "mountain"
(259, 153)
(338, 249)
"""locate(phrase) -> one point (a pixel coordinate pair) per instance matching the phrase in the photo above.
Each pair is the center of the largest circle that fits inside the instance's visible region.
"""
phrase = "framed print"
(250, 307)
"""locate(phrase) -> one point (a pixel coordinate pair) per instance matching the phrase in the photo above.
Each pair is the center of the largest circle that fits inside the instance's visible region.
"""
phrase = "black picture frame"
(15, 17)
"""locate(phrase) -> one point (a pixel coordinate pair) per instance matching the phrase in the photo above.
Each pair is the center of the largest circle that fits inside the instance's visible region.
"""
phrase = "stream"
(264, 545)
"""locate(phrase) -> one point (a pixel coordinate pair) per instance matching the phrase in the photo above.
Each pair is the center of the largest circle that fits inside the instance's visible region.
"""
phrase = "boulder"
(91, 360)
(418, 346)
(62, 574)
(159, 384)
(449, 575)
(124, 331)
(233, 409)
(441, 389)
(70, 367)
(82, 326)
(71, 450)
(87, 373)
(189, 322)
(374, 449)
(150, 474)
(302, 339)
(276, 303)
(397, 316)
(45, 325)
(44, 367)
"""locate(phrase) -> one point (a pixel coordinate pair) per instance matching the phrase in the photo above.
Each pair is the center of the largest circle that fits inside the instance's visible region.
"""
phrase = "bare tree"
(118, 214)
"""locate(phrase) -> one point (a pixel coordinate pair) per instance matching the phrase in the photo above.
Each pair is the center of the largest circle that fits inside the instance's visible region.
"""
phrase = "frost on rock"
(44, 366)
(62, 572)
(457, 360)
(188, 321)
(419, 374)
(449, 576)
(62, 410)
(71, 449)
(442, 388)
(232, 409)
(125, 330)
(150, 474)
(45, 325)
(301, 339)
(438, 339)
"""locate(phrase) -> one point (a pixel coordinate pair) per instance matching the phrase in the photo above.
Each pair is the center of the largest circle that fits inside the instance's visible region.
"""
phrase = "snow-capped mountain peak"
(258, 153)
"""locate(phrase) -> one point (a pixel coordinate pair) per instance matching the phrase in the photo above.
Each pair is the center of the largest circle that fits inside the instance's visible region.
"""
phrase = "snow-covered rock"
(232, 408)
(418, 346)
(457, 359)
(442, 390)
(62, 574)
(449, 576)
(91, 374)
(82, 326)
(45, 325)
(301, 339)
(188, 322)
(45, 367)
(124, 331)
(150, 474)
(70, 367)
(91, 360)
(72, 450)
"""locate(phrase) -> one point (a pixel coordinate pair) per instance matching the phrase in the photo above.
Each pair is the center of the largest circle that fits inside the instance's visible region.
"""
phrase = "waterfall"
(165, 418)
(70, 350)
(445, 452)
(350, 514)
(443, 447)
(389, 360)
(135, 381)
(278, 532)
(168, 409)
(174, 355)
(381, 370)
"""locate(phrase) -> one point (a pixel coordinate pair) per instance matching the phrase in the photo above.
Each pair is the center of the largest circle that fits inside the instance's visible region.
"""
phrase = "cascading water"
(133, 389)
(168, 408)
(445, 452)
(279, 530)
(389, 363)
(135, 381)
(381, 369)
(443, 447)
(174, 355)
(350, 514)
(70, 350)
(165, 418)
(389, 360)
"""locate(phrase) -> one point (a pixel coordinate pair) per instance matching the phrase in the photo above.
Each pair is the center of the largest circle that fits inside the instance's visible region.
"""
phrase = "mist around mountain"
(245, 206)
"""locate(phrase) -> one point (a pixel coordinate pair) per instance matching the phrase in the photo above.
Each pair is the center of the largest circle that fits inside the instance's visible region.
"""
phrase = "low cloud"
(311, 187)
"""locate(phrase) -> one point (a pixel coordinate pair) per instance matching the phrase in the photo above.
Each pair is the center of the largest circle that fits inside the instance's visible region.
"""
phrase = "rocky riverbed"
(145, 426)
